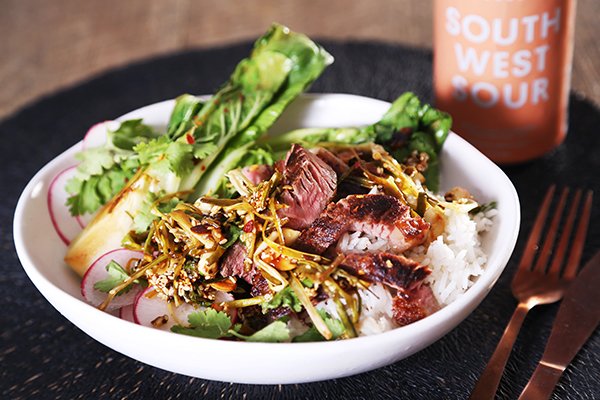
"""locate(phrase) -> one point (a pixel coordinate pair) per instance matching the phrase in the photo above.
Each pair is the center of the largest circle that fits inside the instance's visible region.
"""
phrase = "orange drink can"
(502, 69)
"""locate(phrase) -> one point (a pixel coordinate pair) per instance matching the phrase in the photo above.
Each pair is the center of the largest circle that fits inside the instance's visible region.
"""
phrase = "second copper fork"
(537, 284)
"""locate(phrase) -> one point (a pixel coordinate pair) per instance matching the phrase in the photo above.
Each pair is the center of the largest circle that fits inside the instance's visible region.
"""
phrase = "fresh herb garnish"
(284, 298)
(276, 331)
(116, 276)
(234, 234)
(208, 323)
(312, 334)
(483, 208)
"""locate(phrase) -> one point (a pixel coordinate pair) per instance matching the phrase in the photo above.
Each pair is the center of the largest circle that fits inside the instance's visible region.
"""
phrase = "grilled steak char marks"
(379, 215)
(413, 305)
(414, 299)
(311, 185)
(393, 270)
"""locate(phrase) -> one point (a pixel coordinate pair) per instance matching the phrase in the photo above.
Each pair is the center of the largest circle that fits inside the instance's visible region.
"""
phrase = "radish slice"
(126, 313)
(66, 226)
(223, 297)
(97, 272)
(97, 134)
(149, 308)
(84, 219)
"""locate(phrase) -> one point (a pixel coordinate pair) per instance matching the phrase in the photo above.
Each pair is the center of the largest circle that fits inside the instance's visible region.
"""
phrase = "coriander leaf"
(234, 234)
(165, 155)
(116, 276)
(312, 334)
(274, 332)
(145, 215)
(89, 193)
(94, 161)
(131, 133)
(284, 298)
(203, 150)
(180, 157)
(208, 323)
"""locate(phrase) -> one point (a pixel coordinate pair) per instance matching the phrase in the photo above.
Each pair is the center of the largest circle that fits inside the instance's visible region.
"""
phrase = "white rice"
(376, 311)
(455, 258)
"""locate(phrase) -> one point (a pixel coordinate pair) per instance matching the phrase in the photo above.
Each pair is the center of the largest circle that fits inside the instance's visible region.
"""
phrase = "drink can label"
(502, 70)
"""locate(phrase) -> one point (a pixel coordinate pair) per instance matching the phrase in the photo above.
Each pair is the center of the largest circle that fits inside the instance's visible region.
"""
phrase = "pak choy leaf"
(306, 62)
(182, 117)
(408, 125)
(257, 83)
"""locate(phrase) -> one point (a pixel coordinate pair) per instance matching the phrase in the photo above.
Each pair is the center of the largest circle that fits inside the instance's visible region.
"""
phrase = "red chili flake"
(226, 110)
(190, 139)
(249, 226)
(203, 168)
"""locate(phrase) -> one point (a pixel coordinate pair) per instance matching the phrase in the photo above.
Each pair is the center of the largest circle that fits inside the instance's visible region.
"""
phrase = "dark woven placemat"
(42, 355)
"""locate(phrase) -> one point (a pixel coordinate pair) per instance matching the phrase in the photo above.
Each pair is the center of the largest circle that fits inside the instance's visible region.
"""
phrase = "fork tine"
(546, 250)
(579, 240)
(559, 256)
(532, 241)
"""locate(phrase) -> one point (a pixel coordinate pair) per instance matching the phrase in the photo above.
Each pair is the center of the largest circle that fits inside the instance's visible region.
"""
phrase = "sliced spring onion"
(314, 315)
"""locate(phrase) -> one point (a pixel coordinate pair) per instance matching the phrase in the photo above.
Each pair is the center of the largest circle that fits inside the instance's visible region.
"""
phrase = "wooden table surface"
(50, 45)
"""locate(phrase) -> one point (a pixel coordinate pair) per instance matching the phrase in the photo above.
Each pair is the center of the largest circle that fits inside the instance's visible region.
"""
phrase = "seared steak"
(413, 305)
(310, 184)
(257, 173)
(379, 215)
(392, 270)
(232, 264)
(339, 166)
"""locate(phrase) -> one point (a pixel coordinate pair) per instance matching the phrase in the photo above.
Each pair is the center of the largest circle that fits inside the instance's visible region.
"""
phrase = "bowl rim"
(455, 311)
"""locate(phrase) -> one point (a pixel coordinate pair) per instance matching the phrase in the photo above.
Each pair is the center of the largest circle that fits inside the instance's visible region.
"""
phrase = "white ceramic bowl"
(41, 253)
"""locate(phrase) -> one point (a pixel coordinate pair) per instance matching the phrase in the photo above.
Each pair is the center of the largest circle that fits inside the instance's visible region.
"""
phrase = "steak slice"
(257, 173)
(336, 163)
(232, 264)
(413, 305)
(310, 185)
(392, 270)
(378, 215)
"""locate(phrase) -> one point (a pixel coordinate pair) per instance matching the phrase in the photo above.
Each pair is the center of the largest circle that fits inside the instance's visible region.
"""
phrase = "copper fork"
(539, 284)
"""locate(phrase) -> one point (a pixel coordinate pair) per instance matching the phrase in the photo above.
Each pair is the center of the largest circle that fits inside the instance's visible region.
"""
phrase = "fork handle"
(488, 382)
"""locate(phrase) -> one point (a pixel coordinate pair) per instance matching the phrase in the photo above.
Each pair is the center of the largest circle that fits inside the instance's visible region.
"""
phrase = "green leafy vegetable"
(276, 331)
(208, 323)
(234, 235)
(116, 276)
(131, 133)
(484, 208)
(104, 171)
(283, 298)
(182, 116)
(312, 334)
(407, 126)
(201, 135)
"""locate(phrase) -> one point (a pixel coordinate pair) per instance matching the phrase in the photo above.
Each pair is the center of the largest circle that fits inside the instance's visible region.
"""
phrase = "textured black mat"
(42, 355)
